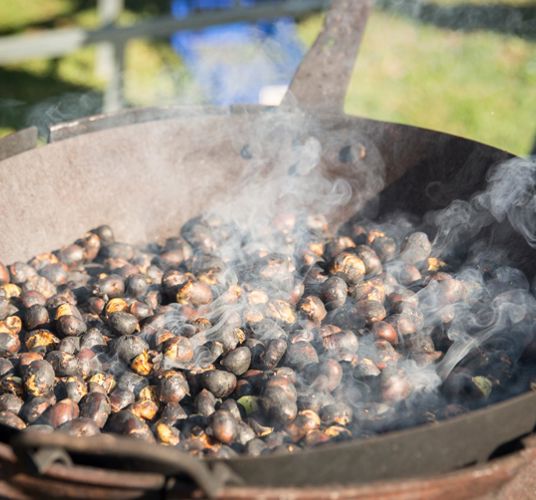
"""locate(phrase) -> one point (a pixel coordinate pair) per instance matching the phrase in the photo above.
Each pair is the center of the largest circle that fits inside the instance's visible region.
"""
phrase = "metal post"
(110, 56)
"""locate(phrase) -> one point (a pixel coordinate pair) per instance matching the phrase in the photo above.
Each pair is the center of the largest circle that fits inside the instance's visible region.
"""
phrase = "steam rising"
(511, 194)
(288, 179)
(301, 177)
(297, 171)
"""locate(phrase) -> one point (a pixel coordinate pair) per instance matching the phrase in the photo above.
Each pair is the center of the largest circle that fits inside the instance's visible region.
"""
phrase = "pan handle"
(324, 74)
(41, 450)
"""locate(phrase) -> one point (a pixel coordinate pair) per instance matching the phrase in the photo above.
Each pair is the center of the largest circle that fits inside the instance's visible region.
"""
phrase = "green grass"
(16, 15)
(39, 92)
(480, 84)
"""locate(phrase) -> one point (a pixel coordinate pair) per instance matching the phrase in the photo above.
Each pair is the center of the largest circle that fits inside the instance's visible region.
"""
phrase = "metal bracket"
(323, 76)
(43, 458)
(16, 143)
(96, 123)
(43, 450)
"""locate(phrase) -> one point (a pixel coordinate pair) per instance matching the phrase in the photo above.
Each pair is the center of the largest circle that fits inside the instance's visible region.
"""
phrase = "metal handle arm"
(323, 77)
(44, 449)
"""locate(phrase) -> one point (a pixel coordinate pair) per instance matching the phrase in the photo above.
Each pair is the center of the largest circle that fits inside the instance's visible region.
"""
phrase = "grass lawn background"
(478, 84)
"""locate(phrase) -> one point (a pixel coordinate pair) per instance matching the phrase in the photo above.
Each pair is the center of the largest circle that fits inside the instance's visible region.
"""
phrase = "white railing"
(112, 38)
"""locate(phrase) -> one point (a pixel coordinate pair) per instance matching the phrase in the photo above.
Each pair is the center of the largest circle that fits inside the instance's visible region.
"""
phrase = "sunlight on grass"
(15, 14)
(478, 85)
(481, 85)
(159, 81)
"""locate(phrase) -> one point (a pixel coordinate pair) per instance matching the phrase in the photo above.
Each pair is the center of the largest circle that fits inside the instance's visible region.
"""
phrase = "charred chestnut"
(219, 382)
(39, 378)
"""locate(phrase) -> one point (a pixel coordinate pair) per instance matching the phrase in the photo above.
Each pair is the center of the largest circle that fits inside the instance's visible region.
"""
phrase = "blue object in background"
(232, 63)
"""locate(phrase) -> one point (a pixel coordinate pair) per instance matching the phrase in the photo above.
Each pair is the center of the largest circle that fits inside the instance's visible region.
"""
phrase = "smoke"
(469, 317)
(294, 184)
(274, 228)
(511, 194)
(60, 109)
(285, 172)
(222, 70)
(234, 64)
(501, 296)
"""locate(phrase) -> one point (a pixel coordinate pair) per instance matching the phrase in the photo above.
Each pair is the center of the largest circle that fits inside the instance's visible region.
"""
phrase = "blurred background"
(466, 67)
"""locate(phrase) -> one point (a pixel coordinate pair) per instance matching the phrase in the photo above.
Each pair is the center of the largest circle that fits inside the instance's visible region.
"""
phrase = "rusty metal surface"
(75, 482)
(323, 76)
(523, 485)
(85, 125)
(51, 195)
(96, 123)
(158, 461)
(428, 449)
(486, 480)
(16, 143)
(506, 478)
(116, 161)
(160, 160)
(76, 182)
(38, 487)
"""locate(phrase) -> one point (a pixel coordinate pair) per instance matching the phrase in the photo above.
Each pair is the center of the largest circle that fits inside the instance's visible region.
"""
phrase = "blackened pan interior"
(146, 179)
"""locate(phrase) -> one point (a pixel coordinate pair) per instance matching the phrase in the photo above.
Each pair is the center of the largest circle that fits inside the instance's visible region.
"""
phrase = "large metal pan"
(148, 171)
